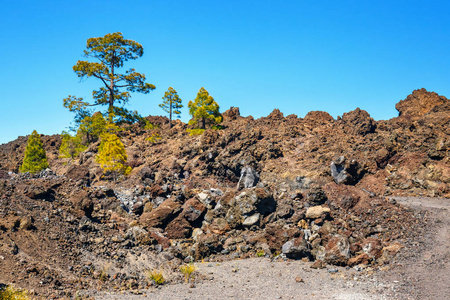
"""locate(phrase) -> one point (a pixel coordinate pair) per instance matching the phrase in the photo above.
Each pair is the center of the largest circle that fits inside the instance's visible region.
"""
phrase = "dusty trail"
(421, 271)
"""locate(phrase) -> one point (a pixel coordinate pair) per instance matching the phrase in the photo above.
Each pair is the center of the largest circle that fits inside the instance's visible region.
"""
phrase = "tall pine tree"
(171, 104)
(35, 159)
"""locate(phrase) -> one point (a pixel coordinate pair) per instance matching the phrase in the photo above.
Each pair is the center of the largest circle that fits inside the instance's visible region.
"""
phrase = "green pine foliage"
(204, 111)
(109, 53)
(91, 127)
(71, 146)
(35, 159)
(171, 104)
(112, 156)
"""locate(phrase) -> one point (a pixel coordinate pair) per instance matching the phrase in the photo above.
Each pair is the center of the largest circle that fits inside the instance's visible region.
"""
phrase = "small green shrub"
(195, 131)
(156, 276)
(260, 253)
(187, 271)
(155, 137)
(8, 292)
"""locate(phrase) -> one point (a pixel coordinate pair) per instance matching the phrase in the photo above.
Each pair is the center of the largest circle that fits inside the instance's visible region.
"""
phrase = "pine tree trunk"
(170, 116)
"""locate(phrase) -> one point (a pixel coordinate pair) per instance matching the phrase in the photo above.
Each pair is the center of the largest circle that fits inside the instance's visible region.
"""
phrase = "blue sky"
(297, 56)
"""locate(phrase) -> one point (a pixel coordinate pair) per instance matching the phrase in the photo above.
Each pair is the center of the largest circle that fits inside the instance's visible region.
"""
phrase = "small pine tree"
(171, 104)
(204, 111)
(35, 159)
(91, 127)
(112, 156)
(71, 146)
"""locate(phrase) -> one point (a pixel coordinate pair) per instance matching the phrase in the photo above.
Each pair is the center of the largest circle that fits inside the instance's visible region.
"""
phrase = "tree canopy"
(110, 53)
(204, 110)
(35, 158)
(171, 104)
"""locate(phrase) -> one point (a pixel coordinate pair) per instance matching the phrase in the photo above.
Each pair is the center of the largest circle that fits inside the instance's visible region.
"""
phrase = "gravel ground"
(421, 271)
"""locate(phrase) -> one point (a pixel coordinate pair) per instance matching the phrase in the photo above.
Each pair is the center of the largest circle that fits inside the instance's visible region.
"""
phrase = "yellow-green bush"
(156, 276)
(187, 271)
(10, 293)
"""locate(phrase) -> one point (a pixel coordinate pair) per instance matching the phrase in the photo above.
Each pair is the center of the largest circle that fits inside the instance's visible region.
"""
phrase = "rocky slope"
(311, 188)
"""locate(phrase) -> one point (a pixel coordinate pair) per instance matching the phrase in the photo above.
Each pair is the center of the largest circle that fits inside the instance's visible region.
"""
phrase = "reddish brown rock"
(179, 228)
(373, 247)
(82, 202)
(363, 259)
(337, 251)
(419, 103)
(193, 210)
(160, 216)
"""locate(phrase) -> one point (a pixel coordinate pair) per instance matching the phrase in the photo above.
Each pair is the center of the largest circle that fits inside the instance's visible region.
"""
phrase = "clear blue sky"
(258, 55)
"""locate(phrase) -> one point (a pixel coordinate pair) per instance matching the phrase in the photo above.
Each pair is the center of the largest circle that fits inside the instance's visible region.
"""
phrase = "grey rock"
(249, 178)
(296, 248)
(250, 221)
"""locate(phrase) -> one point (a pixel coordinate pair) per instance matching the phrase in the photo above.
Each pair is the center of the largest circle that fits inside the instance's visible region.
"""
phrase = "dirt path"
(260, 278)
(421, 271)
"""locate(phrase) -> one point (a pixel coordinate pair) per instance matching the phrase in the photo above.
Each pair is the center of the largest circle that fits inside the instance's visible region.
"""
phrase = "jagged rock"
(337, 251)
(179, 228)
(160, 216)
(81, 201)
(358, 122)
(249, 178)
(78, 172)
(372, 246)
(419, 103)
(361, 259)
(344, 171)
(285, 208)
(296, 248)
(140, 236)
(231, 114)
(321, 117)
(193, 210)
(316, 196)
(315, 212)
(219, 226)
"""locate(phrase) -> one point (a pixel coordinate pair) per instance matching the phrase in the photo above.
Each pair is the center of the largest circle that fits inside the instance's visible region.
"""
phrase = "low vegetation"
(8, 292)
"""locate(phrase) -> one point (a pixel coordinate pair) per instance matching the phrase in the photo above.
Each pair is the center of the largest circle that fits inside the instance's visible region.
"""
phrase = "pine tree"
(71, 146)
(171, 104)
(112, 156)
(91, 127)
(204, 111)
(35, 159)
(110, 52)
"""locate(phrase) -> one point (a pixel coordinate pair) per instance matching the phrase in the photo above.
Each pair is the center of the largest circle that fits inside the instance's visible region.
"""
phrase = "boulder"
(372, 246)
(315, 212)
(316, 196)
(252, 220)
(358, 122)
(160, 216)
(345, 171)
(419, 103)
(81, 201)
(179, 228)
(78, 172)
(296, 248)
(249, 178)
(361, 259)
(337, 251)
(219, 226)
(193, 210)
